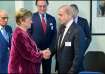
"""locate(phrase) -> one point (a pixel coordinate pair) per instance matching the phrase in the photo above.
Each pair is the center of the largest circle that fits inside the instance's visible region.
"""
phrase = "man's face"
(62, 16)
(3, 18)
(42, 6)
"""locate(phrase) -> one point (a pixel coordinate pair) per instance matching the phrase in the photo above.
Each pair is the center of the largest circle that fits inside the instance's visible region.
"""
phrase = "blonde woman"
(25, 57)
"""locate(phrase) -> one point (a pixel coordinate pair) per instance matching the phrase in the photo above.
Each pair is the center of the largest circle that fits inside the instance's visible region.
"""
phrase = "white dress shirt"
(0, 27)
(44, 17)
(66, 29)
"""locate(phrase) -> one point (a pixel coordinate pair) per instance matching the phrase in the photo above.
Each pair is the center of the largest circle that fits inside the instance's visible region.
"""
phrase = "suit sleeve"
(87, 33)
(10, 35)
(79, 51)
(53, 42)
(26, 50)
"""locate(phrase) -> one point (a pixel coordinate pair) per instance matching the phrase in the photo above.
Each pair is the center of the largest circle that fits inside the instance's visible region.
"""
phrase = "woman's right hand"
(46, 53)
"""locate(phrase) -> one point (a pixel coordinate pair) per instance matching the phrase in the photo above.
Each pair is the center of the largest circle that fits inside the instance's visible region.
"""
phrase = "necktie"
(61, 35)
(43, 23)
(5, 34)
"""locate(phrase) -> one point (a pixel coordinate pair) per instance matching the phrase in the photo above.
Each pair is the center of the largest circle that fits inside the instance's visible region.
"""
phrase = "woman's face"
(27, 22)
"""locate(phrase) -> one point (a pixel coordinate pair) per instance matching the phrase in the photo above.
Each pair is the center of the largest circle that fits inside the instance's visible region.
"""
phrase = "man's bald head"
(3, 17)
(3, 12)
(65, 14)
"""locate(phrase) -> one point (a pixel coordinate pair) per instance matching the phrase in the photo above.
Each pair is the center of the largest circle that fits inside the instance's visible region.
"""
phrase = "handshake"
(46, 53)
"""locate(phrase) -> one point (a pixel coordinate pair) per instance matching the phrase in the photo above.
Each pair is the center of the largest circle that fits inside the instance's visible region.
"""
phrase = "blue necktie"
(5, 34)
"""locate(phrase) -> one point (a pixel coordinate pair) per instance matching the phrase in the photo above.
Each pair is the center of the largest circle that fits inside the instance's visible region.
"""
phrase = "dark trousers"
(46, 66)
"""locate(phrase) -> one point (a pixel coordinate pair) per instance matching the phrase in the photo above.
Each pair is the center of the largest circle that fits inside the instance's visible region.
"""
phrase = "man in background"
(43, 32)
(5, 36)
(83, 23)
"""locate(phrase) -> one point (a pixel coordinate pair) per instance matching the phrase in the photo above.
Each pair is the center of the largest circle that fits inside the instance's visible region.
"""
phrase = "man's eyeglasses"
(4, 18)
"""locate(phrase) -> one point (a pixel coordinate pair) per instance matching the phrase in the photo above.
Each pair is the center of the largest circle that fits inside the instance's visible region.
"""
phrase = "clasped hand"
(46, 53)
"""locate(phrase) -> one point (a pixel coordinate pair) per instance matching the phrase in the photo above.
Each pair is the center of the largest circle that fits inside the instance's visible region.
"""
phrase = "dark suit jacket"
(42, 40)
(69, 58)
(4, 52)
(83, 23)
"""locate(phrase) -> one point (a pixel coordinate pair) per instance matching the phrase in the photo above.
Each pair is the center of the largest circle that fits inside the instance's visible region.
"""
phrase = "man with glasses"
(5, 35)
(43, 31)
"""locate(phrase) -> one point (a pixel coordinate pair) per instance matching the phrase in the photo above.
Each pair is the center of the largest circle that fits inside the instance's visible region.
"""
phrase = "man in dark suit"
(83, 23)
(5, 35)
(70, 51)
(43, 31)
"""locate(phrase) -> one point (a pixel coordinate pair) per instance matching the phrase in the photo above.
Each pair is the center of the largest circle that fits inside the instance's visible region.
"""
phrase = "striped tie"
(5, 34)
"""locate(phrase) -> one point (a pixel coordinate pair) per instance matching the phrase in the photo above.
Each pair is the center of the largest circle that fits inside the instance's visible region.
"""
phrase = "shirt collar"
(41, 15)
(69, 23)
(0, 27)
(44, 17)
(76, 19)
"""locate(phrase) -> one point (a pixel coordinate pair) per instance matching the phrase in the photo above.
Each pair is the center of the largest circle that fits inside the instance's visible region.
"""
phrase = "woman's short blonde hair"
(22, 14)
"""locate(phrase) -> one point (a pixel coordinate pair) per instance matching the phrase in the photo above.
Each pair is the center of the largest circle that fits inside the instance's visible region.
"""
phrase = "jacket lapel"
(79, 19)
(69, 32)
(47, 23)
(39, 24)
(9, 33)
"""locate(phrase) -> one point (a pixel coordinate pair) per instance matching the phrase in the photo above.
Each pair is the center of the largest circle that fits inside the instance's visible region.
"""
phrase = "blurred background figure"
(43, 31)
(25, 57)
(102, 7)
(5, 36)
(83, 23)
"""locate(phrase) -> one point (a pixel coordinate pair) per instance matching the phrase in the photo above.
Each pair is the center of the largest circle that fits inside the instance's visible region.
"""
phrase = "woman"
(25, 57)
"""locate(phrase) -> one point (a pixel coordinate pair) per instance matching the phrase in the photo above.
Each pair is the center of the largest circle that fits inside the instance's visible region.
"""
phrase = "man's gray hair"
(68, 9)
(75, 9)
